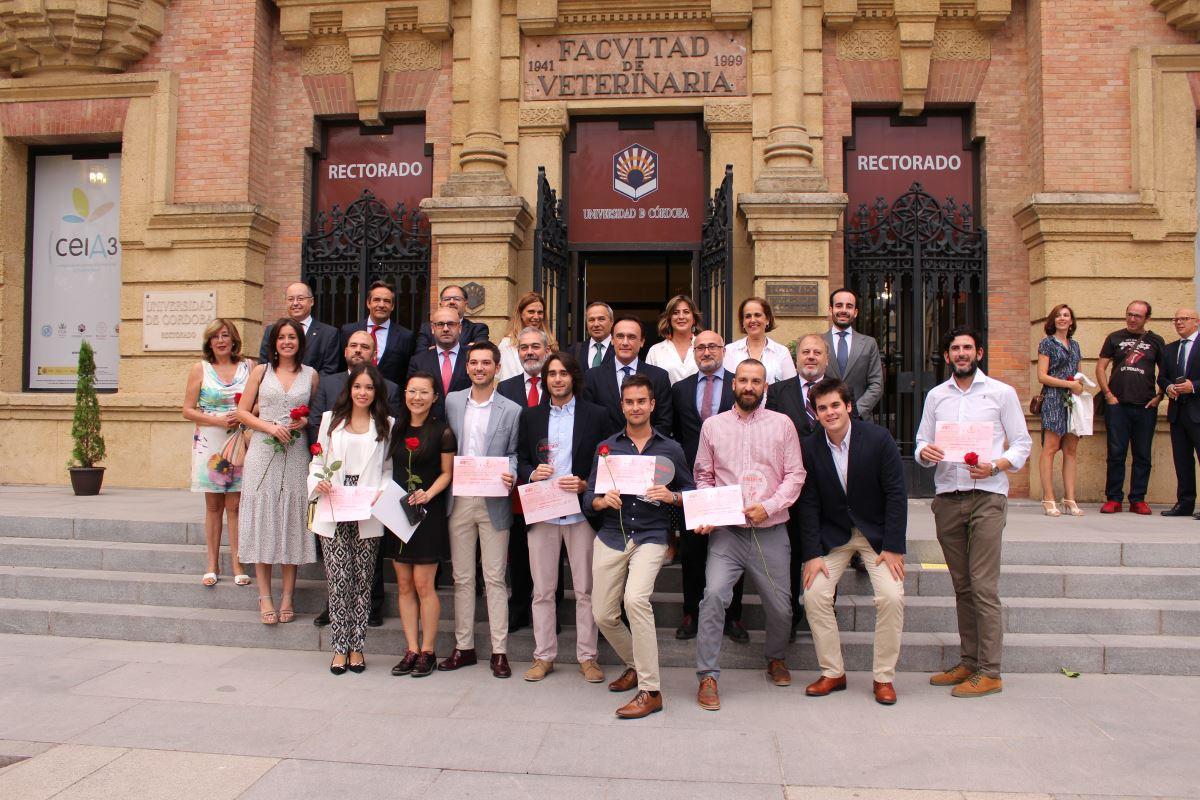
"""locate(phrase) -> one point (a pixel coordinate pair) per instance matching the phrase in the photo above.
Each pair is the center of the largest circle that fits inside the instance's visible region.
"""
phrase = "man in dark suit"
(604, 382)
(597, 348)
(853, 501)
(454, 297)
(557, 442)
(525, 390)
(393, 342)
(790, 396)
(853, 356)
(692, 403)
(321, 351)
(446, 360)
(1179, 379)
(359, 349)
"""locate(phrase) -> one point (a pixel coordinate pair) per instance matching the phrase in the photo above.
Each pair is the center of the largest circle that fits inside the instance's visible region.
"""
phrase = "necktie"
(706, 399)
(842, 354)
(808, 409)
(447, 371)
(1183, 346)
(626, 372)
(533, 392)
(374, 329)
(599, 354)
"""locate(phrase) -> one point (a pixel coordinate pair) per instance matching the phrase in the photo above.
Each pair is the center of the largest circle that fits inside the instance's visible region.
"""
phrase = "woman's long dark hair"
(404, 419)
(344, 406)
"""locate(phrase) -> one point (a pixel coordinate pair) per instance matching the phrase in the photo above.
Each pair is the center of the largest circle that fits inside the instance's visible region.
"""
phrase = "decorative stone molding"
(726, 116)
(917, 33)
(77, 35)
(326, 59)
(1182, 15)
(547, 16)
(413, 55)
(548, 118)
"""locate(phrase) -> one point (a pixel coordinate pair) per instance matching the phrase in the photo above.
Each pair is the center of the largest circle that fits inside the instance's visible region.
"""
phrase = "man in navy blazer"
(393, 342)
(853, 501)
(597, 347)
(454, 297)
(604, 389)
(321, 350)
(1179, 378)
(447, 350)
(686, 398)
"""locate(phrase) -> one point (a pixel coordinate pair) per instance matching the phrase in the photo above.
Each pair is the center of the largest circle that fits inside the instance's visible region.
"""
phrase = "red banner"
(636, 186)
(393, 166)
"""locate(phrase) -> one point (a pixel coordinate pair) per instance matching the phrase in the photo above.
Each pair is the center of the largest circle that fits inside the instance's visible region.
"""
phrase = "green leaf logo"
(81, 202)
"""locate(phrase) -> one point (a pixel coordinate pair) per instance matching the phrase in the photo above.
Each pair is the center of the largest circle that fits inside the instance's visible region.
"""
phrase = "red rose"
(237, 399)
(604, 450)
(412, 443)
(299, 412)
(315, 449)
(971, 459)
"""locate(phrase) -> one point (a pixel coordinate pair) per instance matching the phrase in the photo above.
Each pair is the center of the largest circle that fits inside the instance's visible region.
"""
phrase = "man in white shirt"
(597, 347)
(485, 424)
(971, 506)
(1177, 378)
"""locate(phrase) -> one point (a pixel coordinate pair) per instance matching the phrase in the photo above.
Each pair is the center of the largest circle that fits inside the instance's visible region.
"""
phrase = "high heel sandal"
(268, 617)
(1050, 508)
(286, 614)
(357, 667)
(336, 668)
(1072, 509)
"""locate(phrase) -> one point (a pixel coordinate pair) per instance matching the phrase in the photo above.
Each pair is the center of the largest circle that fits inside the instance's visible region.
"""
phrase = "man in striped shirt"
(757, 449)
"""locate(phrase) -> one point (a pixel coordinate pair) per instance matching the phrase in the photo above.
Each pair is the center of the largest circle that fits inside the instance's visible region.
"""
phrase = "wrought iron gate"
(714, 274)
(919, 268)
(349, 250)
(551, 260)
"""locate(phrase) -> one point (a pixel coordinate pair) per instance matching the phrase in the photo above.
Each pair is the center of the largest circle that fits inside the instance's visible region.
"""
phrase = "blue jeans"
(1129, 423)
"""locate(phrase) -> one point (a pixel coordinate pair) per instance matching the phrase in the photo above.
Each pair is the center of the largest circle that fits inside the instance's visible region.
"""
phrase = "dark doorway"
(635, 283)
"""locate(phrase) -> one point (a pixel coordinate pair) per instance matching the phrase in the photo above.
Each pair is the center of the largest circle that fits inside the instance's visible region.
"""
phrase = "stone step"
(854, 612)
(921, 652)
(1083, 582)
(1096, 549)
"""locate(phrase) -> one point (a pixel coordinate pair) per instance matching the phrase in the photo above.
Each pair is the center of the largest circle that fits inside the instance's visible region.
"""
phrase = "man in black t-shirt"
(1132, 394)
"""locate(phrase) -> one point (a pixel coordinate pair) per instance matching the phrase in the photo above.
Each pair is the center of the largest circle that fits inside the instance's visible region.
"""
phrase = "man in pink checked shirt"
(757, 449)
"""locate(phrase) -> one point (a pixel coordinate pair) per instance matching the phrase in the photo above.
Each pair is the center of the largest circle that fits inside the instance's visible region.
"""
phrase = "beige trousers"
(889, 611)
(470, 523)
(628, 575)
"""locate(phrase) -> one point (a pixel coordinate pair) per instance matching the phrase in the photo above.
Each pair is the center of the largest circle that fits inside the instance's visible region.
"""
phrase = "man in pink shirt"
(758, 450)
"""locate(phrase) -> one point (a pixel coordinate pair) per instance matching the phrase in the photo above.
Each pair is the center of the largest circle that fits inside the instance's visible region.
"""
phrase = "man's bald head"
(1186, 322)
(299, 301)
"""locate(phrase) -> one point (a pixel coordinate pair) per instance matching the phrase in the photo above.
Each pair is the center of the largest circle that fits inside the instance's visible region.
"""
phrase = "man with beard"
(756, 448)
(854, 356)
(971, 506)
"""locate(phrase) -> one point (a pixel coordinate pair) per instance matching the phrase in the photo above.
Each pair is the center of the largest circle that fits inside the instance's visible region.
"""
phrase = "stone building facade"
(1078, 152)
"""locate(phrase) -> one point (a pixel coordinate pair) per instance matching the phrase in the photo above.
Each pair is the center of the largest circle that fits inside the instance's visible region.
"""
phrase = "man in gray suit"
(853, 356)
(485, 424)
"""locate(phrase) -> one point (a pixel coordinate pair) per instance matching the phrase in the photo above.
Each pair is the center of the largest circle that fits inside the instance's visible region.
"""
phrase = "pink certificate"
(956, 439)
(479, 476)
(720, 505)
(543, 500)
(627, 474)
(346, 504)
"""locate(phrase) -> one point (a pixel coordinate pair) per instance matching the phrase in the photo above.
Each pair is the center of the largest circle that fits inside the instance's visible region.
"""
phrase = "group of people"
(820, 483)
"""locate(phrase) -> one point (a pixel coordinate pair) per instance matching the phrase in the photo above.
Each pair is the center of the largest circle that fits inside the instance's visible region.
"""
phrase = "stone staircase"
(1088, 599)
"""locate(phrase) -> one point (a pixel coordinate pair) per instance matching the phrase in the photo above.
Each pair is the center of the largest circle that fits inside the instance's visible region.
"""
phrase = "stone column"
(789, 151)
(729, 124)
(541, 128)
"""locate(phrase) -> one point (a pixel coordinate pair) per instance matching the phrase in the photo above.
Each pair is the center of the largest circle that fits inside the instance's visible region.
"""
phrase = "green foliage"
(85, 427)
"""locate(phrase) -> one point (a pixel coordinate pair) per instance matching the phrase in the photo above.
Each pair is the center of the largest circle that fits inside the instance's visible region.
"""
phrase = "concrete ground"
(102, 718)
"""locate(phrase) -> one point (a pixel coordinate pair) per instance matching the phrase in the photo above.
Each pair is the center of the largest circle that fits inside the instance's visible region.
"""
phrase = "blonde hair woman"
(530, 313)
(678, 325)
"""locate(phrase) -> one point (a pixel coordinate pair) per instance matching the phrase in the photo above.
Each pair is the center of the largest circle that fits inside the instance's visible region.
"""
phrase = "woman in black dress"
(428, 444)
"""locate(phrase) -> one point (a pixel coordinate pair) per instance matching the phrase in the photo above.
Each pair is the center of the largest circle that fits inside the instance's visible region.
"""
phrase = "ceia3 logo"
(635, 172)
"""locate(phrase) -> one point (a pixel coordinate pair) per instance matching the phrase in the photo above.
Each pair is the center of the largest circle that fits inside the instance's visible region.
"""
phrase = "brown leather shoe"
(459, 659)
(707, 696)
(778, 671)
(823, 686)
(500, 667)
(592, 672)
(978, 685)
(627, 681)
(885, 693)
(539, 670)
(643, 704)
(953, 676)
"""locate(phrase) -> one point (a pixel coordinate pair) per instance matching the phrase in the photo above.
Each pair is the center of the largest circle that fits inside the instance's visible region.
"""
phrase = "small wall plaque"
(794, 298)
(476, 296)
(176, 320)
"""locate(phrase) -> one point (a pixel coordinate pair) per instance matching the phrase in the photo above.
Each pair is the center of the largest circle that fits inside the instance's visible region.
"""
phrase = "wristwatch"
(676, 499)
(995, 470)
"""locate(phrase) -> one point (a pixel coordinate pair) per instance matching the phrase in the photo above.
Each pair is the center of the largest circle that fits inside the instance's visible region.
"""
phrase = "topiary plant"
(85, 427)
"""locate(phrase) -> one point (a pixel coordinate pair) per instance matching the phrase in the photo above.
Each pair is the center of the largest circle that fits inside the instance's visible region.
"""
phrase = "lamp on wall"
(97, 176)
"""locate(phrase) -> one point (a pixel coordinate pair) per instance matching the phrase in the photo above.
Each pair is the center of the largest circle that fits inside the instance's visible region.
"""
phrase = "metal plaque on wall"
(176, 320)
(794, 298)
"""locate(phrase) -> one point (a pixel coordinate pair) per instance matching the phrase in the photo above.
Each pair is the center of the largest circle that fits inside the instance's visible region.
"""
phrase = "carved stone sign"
(635, 65)
(176, 320)
(793, 298)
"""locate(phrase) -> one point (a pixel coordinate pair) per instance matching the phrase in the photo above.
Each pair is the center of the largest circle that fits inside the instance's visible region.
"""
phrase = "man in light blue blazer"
(485, 424)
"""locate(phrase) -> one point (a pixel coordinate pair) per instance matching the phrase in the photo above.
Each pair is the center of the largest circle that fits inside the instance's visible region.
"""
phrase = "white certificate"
(346, 504)
(389, 511)
(627, 474)
(479, 476)
(543, 500)
(956, 439)
(720, 505)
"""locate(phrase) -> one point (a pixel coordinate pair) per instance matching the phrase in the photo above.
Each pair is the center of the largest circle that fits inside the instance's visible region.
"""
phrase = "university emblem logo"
(635, 172)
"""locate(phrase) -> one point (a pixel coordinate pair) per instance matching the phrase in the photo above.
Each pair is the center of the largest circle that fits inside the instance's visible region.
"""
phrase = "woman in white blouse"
(678, 326)
(756, 320)
(351, 443)
(530, 313)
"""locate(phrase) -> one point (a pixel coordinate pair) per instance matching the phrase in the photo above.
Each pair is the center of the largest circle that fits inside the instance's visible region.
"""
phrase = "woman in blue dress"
(1058, 363)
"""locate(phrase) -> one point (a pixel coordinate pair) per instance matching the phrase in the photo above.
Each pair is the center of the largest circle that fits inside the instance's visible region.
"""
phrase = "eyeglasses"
(1182, 319)
(418, 392)
(1131, 315)
(704, 348)
(454, 299)
(442, 324)
(297, 298)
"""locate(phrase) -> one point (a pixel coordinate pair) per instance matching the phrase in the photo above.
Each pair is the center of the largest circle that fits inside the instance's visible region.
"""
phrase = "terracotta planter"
(86, 480)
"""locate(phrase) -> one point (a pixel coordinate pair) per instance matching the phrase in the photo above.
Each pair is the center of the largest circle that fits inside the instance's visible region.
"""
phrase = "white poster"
(75, 282)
